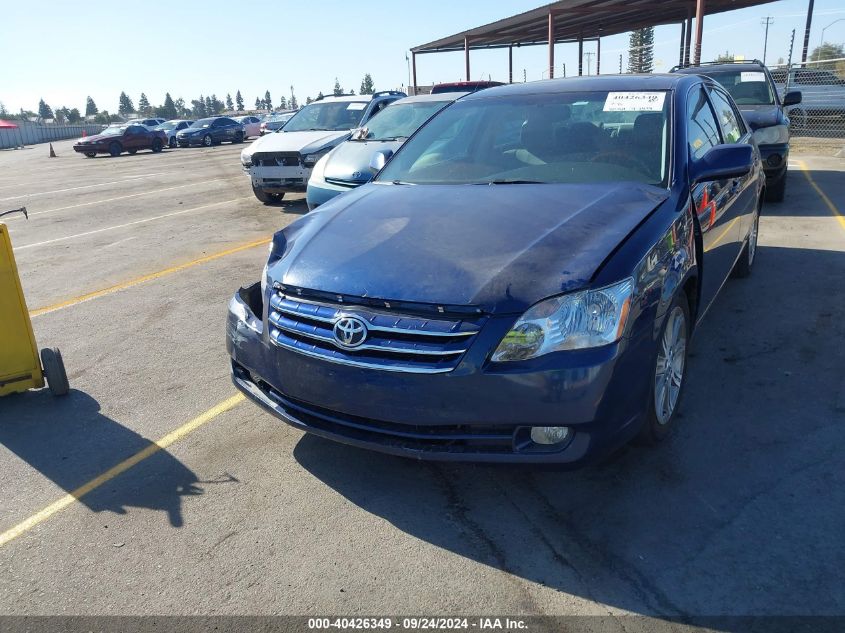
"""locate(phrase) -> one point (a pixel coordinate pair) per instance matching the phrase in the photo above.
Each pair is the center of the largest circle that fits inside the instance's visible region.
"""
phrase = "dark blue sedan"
(519, 283)
(211, 131)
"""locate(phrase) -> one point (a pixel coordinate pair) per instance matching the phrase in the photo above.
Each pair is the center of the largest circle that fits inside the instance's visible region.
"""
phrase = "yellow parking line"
(833, 208)
(114, 471)
(139, 280)
(722, 235)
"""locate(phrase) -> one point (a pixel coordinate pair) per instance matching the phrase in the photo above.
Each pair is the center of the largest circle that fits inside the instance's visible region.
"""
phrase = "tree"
(4, 113)
(268, 102)
(320, 95)
(144, 106)
(641, 51)
(230, 105)
(74, 116)
(168, 109)
(62, 114)
(181, 111)
(338, 91)
(90, 107)
(283, 103)
(292, 104)
(827, 51)
(239, 101)
(367, 85)
(199, 109)
(45, 111)
(725, 57)
(125, 105)
(258, 105)
(308, 100)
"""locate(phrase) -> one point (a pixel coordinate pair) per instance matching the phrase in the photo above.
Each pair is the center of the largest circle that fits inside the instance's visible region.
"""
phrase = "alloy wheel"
(671, 359)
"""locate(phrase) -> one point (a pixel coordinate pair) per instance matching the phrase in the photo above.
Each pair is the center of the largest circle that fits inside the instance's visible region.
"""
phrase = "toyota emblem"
(349, 332)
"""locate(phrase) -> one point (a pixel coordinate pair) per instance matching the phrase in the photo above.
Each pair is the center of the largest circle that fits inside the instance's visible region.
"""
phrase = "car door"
(713, 201)
(734, 130)
(133, 138)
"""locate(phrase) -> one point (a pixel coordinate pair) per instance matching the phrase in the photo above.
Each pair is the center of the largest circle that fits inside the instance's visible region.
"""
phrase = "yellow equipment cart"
(20, 367)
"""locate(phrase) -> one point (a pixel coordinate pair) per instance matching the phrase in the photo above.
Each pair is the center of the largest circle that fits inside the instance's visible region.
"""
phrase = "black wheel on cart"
(54, 371)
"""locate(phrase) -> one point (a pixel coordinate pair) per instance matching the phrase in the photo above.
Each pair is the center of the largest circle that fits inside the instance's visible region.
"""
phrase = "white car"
(252, 125)
(281, 162)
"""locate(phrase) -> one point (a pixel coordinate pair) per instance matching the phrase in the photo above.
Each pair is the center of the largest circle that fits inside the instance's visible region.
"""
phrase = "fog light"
(549, 434)
(774, 160)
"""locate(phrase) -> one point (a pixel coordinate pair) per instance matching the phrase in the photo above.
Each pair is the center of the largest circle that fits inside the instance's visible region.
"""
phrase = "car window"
(731, 127)
(702, 129)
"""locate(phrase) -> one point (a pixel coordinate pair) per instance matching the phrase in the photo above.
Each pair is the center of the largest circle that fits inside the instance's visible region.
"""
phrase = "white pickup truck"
(281, 162)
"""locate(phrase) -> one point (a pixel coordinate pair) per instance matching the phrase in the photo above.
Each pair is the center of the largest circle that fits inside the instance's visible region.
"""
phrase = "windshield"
(202, 123)
(334, 115)
(400, 120)
(747, 87)
(113, 131)
(169, 125)
(570, 137)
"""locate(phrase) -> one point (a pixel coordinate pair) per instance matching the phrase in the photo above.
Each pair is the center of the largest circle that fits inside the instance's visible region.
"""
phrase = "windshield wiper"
(510, 182)
(388, 139)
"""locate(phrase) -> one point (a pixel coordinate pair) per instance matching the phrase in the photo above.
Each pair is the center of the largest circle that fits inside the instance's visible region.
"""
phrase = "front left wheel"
(157, 145)
(669, 372)
(266, 198)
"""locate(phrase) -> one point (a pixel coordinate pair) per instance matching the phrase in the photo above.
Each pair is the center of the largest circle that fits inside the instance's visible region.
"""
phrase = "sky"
(66, 51)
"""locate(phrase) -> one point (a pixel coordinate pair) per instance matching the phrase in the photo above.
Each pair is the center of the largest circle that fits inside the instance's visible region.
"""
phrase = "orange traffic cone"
(52, 152)
(83, 133)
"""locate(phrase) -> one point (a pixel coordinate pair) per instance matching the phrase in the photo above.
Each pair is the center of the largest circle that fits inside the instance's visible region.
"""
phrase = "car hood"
(303, 142)
(193, 130)
(97, 138)
(761, 115)
(350, 161)
(497, 247)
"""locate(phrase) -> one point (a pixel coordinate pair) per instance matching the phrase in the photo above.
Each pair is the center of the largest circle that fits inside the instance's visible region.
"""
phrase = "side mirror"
(723, 162)
(379, 159)
(793, 97)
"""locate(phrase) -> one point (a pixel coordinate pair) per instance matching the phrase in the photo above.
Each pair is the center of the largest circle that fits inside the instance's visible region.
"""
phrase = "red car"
(116, 139)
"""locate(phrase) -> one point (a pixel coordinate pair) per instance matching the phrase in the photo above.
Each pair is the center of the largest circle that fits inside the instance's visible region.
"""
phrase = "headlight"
(579, 320)
(311, 159)
(776, 134)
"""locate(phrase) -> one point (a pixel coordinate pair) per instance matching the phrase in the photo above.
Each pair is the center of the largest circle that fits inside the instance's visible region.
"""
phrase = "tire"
(206, 140)
(90, 154)
(239, 138)
(54, 371)
(115, 149)
(266, 198)
(664, 402)
(744, 264)
(171, 143)
(157, 145)
(776, 191)
(133, 151)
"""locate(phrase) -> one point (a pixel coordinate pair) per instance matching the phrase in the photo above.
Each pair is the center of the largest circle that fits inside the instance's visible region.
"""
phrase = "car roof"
(663, 81)
(441, 96)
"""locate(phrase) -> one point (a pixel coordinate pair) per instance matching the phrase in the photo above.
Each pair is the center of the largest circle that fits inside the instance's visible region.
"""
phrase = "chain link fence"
(821, 113)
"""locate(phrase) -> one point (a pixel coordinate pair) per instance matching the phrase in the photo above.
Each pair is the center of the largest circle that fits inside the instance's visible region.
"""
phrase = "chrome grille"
(344, 183)
(394, 342)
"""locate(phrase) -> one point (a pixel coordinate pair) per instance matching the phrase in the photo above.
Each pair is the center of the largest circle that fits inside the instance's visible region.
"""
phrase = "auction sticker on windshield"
(752, 76)
(634, 101)
(356, 106)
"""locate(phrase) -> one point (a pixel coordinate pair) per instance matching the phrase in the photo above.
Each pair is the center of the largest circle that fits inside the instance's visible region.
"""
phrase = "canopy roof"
(574, 19)
(6, 124)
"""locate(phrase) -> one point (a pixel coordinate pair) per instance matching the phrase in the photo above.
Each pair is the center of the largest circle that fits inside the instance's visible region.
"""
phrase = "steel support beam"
(414, 68)
(700, 8)
(598, 56)
(551, 45)
(807, 32)
(510, 64)
(466, 57)
(688, 43)
(580, 56)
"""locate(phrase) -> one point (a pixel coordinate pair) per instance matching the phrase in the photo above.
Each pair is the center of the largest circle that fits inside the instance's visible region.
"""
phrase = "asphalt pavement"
(128, 264)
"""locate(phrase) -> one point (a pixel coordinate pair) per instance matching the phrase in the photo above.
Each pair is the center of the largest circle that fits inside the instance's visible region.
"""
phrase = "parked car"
(282, 162)
(348, 165)
(274, 123)
(823, 95)
(754, 92)
(251, 125)
(115, 140)
(502, 298)
(464, 86)
(171, 129)
(211, 131)
(150, 123)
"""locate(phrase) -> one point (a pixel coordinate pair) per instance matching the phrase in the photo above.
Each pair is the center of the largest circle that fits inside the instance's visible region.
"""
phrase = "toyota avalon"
(520, 281)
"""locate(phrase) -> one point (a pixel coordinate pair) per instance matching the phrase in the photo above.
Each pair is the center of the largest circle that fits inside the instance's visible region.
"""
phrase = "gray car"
(348, 165)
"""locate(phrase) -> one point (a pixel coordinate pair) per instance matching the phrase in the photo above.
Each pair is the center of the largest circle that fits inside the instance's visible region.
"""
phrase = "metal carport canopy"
(577, 20)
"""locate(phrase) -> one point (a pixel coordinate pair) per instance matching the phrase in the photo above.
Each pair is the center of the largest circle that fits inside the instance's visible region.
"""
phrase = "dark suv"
(752, 88)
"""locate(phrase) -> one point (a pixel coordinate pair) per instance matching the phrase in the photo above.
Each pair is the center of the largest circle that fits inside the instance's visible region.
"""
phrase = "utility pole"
(524, 75)
(589, 56)
(807, 32)
(766, 22)
(791, 44)
(564, 70)
(620, 63)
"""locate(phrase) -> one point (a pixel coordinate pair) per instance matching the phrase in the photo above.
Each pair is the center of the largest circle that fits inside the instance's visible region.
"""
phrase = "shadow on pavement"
(741, 511)
(70, 442)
